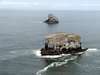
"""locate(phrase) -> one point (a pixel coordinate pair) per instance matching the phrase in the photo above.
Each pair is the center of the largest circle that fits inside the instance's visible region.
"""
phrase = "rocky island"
(62, 43)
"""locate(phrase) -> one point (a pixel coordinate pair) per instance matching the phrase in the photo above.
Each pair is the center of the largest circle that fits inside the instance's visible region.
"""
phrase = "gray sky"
(51, 4)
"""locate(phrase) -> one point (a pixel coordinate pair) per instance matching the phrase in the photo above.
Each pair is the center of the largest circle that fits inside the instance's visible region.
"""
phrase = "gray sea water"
(23, 32)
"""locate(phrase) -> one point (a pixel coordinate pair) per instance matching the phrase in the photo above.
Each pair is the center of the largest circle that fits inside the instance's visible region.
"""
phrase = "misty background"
(50, 4)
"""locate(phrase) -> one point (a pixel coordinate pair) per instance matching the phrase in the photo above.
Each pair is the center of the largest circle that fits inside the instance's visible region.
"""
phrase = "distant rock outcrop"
(51, 19)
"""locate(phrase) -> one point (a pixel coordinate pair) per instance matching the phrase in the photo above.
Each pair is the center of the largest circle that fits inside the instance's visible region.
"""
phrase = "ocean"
(22, 33)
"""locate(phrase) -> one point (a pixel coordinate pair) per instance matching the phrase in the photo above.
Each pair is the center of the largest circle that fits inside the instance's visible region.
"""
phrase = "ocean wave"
(92, 50)
(55, 64)
(37, 22)
(38, 53)
(14, 54)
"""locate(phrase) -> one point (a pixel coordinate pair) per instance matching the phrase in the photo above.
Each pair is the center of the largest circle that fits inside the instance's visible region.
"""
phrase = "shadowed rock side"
(58, 52)
(62, 43)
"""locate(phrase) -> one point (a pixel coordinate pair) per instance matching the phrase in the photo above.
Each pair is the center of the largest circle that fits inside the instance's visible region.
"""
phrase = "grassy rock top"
(61, 37)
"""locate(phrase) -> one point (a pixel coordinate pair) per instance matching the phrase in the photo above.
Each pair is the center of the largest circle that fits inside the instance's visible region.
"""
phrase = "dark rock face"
(51, 22)
(63, 51)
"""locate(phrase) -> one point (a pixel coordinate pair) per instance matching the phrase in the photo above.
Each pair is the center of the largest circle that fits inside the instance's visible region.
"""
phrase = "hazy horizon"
(50, 4)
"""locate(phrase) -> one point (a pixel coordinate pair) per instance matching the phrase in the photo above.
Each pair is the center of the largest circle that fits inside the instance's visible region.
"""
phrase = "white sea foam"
(38, 53)
(55, 64)
(92, 49)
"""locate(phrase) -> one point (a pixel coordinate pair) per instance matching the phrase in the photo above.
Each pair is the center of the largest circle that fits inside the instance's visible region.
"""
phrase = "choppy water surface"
(22, 34)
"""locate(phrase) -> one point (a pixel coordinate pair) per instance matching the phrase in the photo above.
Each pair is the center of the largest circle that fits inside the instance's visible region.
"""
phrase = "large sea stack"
(62, 43)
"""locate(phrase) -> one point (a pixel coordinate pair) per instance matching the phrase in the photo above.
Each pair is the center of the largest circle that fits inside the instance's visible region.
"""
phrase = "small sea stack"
(52, 19)
(62, 43)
